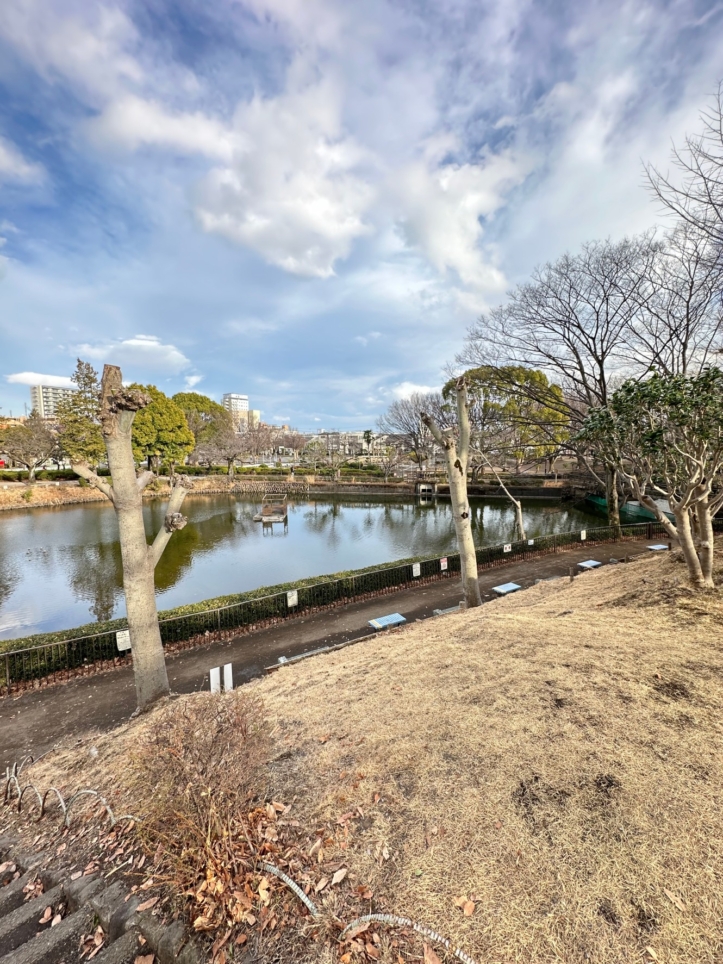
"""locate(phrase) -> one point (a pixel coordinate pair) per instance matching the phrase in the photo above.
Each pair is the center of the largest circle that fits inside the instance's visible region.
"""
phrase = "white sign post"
(123, 640)
(507, 547)
(443, 565)
(292, 598)
(583, 535)
(215, 678)
(416, 569)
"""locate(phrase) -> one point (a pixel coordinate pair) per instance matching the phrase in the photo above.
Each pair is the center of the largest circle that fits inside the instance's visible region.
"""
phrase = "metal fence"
(91, 653)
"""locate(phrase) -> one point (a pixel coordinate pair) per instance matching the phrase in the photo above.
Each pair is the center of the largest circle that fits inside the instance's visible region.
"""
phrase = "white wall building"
(235, 403)
(45, 398)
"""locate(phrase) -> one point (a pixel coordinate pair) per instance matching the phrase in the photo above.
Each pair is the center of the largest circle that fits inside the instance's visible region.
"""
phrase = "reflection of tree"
(9, 578)
(211, 525)
(96, 576)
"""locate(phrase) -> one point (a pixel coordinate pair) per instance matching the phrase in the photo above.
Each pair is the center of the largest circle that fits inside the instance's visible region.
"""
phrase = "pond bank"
(19, 495)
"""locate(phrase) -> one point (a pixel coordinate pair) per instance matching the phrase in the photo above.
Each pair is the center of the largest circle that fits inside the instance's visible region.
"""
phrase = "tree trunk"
(230, 467)
(705, 529)
(149, 665)
(457, 476)
(611, 496)
(687, 545)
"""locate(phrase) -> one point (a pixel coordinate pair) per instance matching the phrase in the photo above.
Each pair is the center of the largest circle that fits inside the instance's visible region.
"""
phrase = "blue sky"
(310, 200)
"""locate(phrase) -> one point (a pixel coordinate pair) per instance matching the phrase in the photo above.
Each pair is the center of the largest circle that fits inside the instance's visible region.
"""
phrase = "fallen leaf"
(674, 899)
(468, 909)
(429, 956)
(147, 885)
(47, 914)
(56, 920)
(76, 875)
(241, 939)
(373, 951)
(279, 807)
(460, 902)
(145, 959)
(321, 885)
(652, 954)
(358, 930)
(345, 958)
(60, 849)
(339, 876)
(147, 904)
(315, 847)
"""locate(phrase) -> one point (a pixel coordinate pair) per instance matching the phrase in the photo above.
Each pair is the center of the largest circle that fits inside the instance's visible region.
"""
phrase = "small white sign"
(443, 564)
(292, 598)
(215, 678)
(583, 535)
(530, 542)
(123, 640)
(416, 569)
(507, 548)
(228, 677)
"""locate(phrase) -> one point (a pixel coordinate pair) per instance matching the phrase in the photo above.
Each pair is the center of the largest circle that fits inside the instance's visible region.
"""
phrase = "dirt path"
(33, 722)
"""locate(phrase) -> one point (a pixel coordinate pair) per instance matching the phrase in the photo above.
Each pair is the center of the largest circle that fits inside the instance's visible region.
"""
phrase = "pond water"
(60, 567)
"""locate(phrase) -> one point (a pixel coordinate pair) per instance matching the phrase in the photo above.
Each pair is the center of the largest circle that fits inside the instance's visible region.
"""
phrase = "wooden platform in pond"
(274, 508)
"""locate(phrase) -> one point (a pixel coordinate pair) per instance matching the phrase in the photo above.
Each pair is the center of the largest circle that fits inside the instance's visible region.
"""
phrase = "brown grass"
(554, 757)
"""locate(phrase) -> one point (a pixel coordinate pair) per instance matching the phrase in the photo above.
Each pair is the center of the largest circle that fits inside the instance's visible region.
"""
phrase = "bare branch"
(89, 475)
(172, 522)
(144, 478)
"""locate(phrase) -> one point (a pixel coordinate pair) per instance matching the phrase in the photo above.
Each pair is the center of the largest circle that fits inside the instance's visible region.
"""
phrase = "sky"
(309, 201)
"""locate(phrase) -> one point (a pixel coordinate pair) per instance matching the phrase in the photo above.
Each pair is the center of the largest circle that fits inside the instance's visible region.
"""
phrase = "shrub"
(27, 495)
(196, 766)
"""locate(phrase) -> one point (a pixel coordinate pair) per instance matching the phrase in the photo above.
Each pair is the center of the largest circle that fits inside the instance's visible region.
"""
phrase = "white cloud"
(192, 380)
(86, 45)
(34, 378)
(294, 193)
(406, 389)
(14, 167)
(141, 351)
(442, 207)
(249, 326)
(131, 122)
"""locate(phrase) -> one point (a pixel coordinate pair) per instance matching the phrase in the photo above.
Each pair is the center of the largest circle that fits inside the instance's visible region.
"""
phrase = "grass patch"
(534, 788)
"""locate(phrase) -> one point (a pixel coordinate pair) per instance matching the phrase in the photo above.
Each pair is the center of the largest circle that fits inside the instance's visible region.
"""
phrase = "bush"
(196, 766)
(83, 483)
(27, 495)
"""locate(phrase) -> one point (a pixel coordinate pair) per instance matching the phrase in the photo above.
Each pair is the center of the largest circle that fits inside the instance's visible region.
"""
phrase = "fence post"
(7, 672)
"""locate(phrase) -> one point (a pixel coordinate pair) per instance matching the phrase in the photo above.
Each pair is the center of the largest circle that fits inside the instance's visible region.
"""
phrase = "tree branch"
(144, 478)
(173, 521)
(86, 473)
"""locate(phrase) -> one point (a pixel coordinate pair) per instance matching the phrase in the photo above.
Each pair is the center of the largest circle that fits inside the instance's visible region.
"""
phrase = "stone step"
(123, 951)
(21, 924)
(54, 945)
(12, 895)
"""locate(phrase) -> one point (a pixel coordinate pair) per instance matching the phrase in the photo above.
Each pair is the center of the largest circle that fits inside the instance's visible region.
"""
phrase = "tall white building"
(235, 403)
(45, 398)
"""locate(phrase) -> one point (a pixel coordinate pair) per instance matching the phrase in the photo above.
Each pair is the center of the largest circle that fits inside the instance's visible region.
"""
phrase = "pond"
(60, 567)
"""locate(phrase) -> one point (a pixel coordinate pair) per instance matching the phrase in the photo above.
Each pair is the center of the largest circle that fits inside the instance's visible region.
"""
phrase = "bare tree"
(677, 328)
(455, 445)
(30, 444)
(571, 321)
(224, 445)
(697, 197)
(117, 411)
(402, 419)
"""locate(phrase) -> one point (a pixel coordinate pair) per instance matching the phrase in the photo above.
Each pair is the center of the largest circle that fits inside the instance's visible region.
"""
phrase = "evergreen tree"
(78, 418)
(160, 430)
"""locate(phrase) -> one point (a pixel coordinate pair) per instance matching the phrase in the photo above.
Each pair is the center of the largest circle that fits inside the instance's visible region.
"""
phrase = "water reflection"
(61, 567)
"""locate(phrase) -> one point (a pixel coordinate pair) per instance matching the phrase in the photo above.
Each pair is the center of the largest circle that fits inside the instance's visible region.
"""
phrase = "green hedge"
(206, 605)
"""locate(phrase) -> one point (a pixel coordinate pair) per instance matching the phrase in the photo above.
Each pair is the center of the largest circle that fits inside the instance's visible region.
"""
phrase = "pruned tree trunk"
(457, 459)
(705, 531)
(611, 496)
(118, 409)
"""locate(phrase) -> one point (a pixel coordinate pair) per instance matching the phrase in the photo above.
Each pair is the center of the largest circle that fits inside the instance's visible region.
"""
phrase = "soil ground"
(33, 722)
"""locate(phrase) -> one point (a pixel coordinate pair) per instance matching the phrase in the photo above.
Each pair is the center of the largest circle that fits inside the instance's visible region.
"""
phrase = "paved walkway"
(33, 722)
